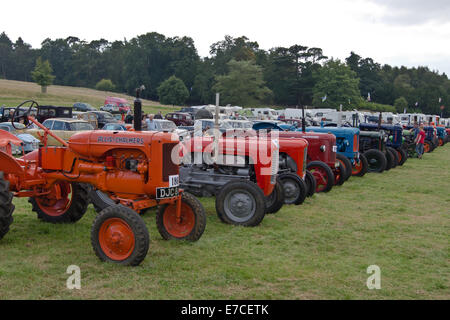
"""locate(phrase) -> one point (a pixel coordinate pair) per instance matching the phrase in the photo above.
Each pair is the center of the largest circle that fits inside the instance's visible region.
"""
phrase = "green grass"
(398, 220)
(12, 93)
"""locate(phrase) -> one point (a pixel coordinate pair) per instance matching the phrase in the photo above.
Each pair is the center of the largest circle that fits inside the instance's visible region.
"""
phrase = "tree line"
(246, 75)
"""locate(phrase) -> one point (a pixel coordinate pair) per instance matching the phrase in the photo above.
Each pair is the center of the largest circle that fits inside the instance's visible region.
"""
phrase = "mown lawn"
(398, 220)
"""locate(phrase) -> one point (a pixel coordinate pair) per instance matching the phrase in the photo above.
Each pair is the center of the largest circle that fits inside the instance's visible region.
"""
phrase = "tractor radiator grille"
(169, 168)
(275, 161)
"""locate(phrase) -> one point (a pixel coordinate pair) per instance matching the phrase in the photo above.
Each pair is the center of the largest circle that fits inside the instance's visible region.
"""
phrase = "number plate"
(163, 193)
(174, 181)
(334, 148)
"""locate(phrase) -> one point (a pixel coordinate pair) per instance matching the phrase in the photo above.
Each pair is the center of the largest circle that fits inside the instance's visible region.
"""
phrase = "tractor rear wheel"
(310, 184)
(323, 175)
(294, 188)
(119, 235)
(360, 168)
(6, 206)
(241, 203)
(376, 160)
(395, 156)
(402, 156)
(191, 224)
(275, 201)
(66, 203)
(344, 161)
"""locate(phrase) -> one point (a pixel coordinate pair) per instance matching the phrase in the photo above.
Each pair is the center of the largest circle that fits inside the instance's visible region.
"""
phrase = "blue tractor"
(442, 135)
(347, 143)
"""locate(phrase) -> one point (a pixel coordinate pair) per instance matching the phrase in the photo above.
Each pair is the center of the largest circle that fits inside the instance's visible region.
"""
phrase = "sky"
(396, 32)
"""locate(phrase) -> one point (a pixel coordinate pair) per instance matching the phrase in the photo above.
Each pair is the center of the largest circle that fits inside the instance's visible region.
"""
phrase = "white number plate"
(334, 148)
(174, 181)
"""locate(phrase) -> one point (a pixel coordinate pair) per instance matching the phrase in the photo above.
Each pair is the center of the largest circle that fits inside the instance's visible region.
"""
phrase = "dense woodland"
(244, 74)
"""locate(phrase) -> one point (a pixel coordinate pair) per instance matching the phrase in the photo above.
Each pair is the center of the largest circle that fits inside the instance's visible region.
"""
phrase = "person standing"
(158, 115)
(420, 141)
(151, 126)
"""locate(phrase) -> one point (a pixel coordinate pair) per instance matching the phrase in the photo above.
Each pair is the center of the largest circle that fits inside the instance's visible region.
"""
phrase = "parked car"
(62, 127)
(115, 127)
(180, 118)
(110, 108)
(7, 112)
(47, 112)
(169, 126)
(30, 143)
(121, 103)
(83, 107)
(102, 118)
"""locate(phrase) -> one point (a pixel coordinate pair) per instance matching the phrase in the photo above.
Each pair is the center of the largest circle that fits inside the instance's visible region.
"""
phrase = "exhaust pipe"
(303, 120)
(138, 109)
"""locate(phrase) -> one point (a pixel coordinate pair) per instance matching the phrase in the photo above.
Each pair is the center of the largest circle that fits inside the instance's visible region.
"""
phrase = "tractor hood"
(6, 138)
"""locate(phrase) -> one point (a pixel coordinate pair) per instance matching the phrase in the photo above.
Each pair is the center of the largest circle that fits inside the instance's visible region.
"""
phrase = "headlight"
(323, 148)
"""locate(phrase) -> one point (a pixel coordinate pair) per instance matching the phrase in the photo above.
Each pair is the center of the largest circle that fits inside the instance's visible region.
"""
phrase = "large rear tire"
(192, 222)
(69, 208)
(100, 200)
(376, 160)
(310, 184)
(119, 235)
(389, 160)
(6, 206)
(360, 168)
(343, 160)
(276, 200)
(241, 203)
(294, 188)
(323, 174)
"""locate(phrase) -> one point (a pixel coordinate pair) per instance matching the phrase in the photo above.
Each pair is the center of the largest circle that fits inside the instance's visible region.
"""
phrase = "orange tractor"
(134, 168)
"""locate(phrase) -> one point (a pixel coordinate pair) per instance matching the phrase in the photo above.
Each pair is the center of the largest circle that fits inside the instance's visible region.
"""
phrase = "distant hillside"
(14, 92)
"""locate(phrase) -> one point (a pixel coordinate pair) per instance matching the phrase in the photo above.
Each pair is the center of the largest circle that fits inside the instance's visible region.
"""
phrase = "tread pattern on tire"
(278, 203)
(200, 219)
(380, 156)
(6, 206)
(260, 209)
(142, 237)
(77, 209)
(310, 184)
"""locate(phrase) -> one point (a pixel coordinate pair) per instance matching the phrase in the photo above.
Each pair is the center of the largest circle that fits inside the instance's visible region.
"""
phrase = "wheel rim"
(321, 178)
(116, 239)
(374, 163)
(357, 167)
(240, 205)
(184, 226)
(441, 142)
(426, 147)
(56, 207)
(400, 158)
(291, 190)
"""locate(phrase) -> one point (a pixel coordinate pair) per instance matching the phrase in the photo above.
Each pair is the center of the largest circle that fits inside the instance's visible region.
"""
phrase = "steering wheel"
(15, 115)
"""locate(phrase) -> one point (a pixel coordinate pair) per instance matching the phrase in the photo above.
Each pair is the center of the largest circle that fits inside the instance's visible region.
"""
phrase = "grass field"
(398, 220)
(14, 92)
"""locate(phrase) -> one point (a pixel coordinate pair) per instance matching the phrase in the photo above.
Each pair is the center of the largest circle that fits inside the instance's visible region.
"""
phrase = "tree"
(400, 104)
(173, 91)
(42, 74)
(105, 85)
(336, 84)
(243, 85)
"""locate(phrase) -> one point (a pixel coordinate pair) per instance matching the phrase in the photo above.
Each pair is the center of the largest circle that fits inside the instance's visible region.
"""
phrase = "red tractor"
(134, 168)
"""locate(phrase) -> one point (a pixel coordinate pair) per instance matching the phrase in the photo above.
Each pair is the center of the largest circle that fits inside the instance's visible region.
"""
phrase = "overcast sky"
(397, 32)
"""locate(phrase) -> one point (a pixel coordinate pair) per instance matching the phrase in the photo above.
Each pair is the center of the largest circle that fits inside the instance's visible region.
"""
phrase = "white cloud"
(338, 27)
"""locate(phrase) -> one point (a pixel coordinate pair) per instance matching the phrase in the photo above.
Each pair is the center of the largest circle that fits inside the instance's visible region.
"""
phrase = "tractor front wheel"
(376, 160)
(6, 206)
(275, 201)
(241, 203)
(189, 226)
(66, 203)
(119, 235)
(345, 162)
(441, 142)
(323, 175)
(402, 156)
(310, 184)
(395, 159)
(294, 188)
(360, 168)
